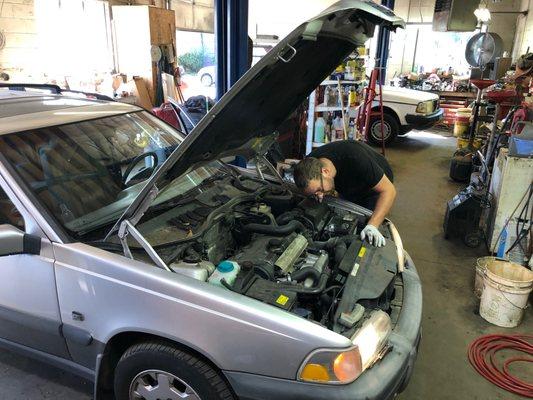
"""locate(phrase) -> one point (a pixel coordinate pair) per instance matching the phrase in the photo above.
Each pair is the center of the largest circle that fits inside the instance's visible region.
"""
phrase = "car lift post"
(231, 40)
(382, 50)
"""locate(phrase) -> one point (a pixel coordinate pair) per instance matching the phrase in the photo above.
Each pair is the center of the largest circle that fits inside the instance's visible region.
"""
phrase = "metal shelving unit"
(320, 108)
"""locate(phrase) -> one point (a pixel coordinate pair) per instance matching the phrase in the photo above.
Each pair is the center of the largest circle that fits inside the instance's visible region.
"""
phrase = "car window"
(80, 168)
(9, 213)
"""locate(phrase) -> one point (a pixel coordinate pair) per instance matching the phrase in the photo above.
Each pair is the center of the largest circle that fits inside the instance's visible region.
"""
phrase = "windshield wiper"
(189, 195)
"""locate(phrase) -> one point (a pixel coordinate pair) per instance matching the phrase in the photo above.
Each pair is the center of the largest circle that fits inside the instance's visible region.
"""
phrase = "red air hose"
(482, 356)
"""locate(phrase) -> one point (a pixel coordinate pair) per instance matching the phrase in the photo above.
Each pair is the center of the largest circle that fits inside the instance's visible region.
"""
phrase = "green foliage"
(194, 60)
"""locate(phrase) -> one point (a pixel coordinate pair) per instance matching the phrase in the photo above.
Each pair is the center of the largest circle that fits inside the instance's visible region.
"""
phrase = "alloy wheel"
(160, 385)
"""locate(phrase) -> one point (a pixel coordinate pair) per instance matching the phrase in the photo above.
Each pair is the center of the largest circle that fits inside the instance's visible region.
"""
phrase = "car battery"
(341, 225)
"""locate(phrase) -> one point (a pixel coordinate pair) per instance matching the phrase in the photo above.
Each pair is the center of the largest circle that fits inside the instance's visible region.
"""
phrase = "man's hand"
(374, 236)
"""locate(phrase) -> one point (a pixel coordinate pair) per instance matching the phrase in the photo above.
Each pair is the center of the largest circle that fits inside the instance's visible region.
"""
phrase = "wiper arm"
(187, 196)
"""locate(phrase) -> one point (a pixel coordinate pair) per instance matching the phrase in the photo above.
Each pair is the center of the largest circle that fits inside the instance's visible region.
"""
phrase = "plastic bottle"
(226, 270)
(327, 93)
(330, 131)
(338, 128)
(320, 126)
(351, 130)
(352, 97)
(333, 99)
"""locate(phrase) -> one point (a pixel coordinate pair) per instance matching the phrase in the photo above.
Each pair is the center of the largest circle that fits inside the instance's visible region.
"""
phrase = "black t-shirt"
(359, 168)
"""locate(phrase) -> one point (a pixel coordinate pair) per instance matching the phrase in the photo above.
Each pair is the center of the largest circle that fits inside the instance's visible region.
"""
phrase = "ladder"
(365, 110)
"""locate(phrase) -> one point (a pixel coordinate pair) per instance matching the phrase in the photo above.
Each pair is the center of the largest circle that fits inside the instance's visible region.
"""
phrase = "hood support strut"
(126, 229)
(261, 159)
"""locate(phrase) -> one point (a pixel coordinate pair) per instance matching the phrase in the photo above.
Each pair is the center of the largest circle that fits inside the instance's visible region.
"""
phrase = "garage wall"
(524, 30)
(191, 15)
(17, 23)
(505, 24)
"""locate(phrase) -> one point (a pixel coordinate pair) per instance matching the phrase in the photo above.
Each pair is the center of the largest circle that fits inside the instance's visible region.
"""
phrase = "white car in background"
(404, 109)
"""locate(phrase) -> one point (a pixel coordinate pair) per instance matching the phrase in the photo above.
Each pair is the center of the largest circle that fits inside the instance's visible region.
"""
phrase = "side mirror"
(14, 241)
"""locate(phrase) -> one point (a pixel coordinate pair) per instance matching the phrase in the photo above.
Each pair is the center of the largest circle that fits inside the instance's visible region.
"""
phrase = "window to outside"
(417, 48)
(196, 54)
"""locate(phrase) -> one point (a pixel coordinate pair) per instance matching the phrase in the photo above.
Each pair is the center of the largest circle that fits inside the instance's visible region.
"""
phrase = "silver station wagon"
(135, 257)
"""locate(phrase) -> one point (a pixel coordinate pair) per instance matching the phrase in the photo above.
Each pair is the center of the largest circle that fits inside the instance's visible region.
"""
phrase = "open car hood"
(242, 121)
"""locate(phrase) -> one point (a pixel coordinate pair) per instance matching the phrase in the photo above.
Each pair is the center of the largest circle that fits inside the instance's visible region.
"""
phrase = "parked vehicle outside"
(207, 75)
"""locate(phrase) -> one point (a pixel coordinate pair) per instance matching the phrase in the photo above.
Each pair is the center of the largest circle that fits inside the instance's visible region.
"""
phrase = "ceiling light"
(482, 14)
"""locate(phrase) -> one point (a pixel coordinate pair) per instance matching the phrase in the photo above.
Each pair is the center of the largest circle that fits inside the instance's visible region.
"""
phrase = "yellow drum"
(462, 143)
(462, 122)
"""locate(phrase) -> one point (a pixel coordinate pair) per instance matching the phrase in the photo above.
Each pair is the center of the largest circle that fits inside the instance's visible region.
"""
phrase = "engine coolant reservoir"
(226, 270)
(200, 270)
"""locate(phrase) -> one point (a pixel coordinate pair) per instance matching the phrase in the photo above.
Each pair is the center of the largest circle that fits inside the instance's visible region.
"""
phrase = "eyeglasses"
(319, 193)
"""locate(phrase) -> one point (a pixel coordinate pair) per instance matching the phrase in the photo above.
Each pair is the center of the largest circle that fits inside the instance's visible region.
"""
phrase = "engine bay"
(266, 242)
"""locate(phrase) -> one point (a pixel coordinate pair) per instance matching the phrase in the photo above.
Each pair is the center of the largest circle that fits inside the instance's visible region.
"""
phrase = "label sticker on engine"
(282, 299)
(362, 252)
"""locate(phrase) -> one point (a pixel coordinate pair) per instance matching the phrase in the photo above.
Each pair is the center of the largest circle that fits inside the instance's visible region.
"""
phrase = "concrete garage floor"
(450, 320)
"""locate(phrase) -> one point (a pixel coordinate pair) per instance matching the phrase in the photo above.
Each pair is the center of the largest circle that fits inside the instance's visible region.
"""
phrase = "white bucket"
(481, 265)
(506, 288)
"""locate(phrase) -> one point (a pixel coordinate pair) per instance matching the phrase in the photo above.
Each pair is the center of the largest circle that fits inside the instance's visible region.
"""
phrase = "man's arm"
(387, 194)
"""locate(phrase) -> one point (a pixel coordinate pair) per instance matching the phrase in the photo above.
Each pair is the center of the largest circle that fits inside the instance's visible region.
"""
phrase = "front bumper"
(383, 381)
(416, 121)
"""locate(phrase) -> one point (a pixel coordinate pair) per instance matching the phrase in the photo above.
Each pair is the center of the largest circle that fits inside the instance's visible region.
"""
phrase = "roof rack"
(54, 89)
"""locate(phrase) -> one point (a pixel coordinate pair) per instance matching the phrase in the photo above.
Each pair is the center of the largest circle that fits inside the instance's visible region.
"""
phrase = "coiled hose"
(482, 356)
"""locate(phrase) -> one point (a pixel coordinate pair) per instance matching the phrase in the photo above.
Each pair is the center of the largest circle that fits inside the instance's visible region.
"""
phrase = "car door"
(29, 311)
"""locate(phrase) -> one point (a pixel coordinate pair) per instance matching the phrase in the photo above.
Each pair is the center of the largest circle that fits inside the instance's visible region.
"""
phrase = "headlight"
(425, 107)
(372, 337)
(345, 366)
(331, 366)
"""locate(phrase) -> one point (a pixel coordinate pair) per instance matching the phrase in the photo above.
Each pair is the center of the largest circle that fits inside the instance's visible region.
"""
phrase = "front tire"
(391, 129)
(156, 370)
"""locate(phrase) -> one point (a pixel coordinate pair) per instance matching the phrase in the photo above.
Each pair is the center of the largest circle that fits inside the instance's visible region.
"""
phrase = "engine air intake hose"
(315, 290)
(275, 230)
(304, 273)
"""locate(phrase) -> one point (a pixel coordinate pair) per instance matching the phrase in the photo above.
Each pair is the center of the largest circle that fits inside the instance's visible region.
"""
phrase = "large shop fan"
(483, 48)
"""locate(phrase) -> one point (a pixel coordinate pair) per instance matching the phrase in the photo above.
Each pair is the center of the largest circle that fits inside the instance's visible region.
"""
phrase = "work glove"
(374, 236)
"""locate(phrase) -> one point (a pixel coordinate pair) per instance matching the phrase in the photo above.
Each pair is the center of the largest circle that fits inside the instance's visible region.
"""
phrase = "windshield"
(87, 173)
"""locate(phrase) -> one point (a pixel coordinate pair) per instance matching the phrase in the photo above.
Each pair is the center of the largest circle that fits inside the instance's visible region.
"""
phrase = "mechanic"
(355, 172)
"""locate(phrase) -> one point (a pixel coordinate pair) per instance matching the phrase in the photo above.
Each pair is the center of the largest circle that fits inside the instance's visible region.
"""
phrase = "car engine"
(266, 242)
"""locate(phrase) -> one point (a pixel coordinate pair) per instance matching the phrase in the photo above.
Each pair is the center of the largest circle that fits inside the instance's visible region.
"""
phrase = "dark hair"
(306, 170)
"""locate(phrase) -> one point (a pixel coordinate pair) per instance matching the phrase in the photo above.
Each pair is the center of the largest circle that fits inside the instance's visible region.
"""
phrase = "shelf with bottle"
(342, 82)
(339, 100)
(336, 98)
(330, 127)
(323, 108)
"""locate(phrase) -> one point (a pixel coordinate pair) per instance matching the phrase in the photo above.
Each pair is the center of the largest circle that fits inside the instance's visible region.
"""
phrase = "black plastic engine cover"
(270, 293)
(370, 274)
